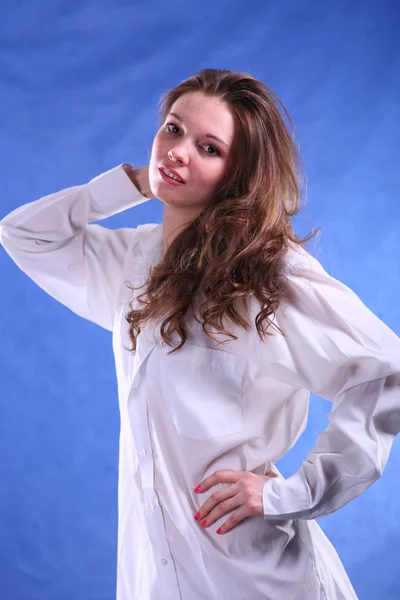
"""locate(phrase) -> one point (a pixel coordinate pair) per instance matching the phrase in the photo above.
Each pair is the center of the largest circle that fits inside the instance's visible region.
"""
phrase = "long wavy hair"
(232, 250)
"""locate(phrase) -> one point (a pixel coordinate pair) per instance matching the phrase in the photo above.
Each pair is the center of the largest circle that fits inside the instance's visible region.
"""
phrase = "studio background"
(79, 86)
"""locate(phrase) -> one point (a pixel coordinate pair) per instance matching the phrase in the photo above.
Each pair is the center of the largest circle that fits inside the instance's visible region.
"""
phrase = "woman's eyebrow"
(208, 135)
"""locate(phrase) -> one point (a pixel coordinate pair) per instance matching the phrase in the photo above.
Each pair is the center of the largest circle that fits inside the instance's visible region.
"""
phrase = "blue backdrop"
(79, 86)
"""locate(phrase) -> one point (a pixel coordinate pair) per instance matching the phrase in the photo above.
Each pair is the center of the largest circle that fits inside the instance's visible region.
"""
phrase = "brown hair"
(232, 250)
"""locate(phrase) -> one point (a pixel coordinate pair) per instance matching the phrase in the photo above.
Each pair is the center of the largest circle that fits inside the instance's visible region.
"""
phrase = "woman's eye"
(215, 152)
(173, 125)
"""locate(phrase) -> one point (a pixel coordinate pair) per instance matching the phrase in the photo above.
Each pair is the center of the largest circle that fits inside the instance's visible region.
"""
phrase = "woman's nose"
(178, 153)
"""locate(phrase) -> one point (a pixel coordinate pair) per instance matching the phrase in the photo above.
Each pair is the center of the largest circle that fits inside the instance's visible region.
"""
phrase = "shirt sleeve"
(338, 349)
(55, 242)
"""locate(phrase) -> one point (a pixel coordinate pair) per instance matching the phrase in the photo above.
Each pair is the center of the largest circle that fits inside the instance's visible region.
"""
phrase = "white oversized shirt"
(239, 405)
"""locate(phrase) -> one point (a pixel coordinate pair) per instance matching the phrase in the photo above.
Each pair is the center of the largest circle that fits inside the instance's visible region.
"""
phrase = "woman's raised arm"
(55, 242)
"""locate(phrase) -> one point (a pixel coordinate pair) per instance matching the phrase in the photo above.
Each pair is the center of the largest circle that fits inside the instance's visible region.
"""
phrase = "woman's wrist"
(140, 178)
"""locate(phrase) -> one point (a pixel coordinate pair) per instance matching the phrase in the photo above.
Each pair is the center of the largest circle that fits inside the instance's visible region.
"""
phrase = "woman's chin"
(169, 200)
(167, 196)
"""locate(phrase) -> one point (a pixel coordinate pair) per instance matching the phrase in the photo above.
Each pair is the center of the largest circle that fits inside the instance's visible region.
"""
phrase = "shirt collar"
(151, 242)
(151, 237)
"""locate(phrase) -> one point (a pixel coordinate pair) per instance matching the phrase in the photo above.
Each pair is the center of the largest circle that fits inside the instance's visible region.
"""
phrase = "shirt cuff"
(286, 498)
(113, 192)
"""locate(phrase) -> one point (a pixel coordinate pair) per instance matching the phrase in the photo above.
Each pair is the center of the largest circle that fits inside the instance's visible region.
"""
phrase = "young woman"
(222, 325)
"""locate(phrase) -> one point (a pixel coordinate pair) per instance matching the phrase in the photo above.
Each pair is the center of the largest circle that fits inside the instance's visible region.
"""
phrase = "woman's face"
(186, 144)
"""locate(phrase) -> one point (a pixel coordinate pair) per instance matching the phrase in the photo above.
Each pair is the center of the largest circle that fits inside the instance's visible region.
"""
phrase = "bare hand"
(140, 178)
(245, 493)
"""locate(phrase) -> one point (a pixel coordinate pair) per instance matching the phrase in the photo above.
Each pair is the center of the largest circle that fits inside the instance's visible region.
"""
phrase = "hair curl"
(233, 249)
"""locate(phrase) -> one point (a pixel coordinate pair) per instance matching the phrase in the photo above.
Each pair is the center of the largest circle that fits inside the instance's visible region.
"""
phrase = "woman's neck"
(174, 221)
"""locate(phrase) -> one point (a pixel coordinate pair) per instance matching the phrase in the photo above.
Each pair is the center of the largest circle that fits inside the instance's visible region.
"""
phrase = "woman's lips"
(169, 179)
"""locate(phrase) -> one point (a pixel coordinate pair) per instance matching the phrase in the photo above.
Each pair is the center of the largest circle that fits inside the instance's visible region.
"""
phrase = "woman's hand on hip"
(244, 493)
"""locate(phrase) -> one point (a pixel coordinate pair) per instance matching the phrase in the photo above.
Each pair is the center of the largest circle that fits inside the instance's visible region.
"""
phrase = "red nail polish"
(218, 530)
(203, 523)
(197, 489)
(197, 516)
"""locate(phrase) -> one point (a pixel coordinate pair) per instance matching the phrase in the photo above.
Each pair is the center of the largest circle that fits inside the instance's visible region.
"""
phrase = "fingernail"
(197, 489)
(197, 516)
(203, 523)
(218, 530)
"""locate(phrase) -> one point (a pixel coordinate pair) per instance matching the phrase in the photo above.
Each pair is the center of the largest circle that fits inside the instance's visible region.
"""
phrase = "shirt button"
(144, 452)
(152, 507)
(136, 393)
(164, 561)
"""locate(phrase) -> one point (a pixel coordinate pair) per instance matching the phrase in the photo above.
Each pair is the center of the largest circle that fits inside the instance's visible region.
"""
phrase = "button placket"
(155, 523)
(140, 429)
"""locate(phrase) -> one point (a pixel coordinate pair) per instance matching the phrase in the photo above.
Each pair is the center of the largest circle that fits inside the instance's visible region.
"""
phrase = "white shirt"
(240, 405)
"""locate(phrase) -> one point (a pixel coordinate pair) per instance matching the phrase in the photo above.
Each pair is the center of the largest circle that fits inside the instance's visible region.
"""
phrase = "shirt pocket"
(204, 392)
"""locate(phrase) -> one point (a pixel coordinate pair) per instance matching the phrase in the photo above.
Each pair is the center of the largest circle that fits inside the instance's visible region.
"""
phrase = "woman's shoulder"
(147, 227)
(297, 260)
